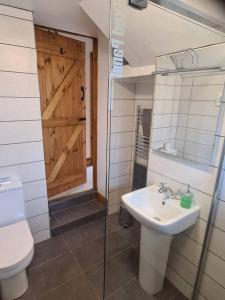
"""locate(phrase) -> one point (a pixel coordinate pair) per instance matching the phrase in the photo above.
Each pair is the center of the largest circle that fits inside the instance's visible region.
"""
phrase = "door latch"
(62, 51)
(81, 119)
(82, 93)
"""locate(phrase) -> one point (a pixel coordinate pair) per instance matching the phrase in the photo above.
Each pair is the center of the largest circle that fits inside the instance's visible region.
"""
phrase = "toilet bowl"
(16, 241)
(16, 253)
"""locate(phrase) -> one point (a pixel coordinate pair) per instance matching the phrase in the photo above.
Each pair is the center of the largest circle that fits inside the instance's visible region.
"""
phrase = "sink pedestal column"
(154, 253)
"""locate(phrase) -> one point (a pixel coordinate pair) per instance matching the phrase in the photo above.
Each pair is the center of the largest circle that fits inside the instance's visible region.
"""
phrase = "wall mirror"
(189, 100)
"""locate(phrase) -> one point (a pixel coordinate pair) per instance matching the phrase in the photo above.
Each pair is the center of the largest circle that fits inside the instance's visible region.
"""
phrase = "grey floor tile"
(132, 234)
(114, 244)
(77, 212)
(55, 274)
(52, 219)
(133, 291)
(26, 296)
(84, 234)
(119, 270)
(47, 250)
(76, 289)
(92, 254)
(169, 292)
(117, 295)
(96, 278)
(52, 274)
(114, 221)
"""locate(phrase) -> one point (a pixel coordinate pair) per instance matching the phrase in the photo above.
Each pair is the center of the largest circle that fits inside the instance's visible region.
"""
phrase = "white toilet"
(16, 241)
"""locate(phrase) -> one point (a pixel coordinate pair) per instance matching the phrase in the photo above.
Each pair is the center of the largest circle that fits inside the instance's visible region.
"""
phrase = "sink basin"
(160, 218)
(146, 206)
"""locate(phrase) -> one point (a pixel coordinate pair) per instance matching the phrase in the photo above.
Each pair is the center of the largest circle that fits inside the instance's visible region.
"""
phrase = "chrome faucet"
(165, 189)
(169, 194)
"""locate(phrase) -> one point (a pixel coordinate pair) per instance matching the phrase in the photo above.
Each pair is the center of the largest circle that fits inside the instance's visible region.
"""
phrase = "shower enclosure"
(176, 86)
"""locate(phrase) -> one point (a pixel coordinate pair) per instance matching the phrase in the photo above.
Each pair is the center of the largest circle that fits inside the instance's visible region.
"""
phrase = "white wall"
(126, 95)
(21, 146)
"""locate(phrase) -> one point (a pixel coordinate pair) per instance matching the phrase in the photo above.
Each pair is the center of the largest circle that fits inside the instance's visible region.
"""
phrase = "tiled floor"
(70, 266)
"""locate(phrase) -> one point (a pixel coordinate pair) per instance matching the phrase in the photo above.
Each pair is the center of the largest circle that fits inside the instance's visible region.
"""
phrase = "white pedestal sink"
(159, 221)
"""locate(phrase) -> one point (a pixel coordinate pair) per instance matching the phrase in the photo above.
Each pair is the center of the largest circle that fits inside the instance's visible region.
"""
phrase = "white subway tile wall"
(21, 145)
(125, 98)
(121, 141)
(186, 247)
(187, 105)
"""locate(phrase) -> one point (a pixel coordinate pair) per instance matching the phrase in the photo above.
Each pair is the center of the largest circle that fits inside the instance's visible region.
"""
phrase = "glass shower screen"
(141, 40)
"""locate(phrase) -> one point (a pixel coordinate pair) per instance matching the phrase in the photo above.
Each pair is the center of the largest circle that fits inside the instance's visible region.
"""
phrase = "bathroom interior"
(112, 147)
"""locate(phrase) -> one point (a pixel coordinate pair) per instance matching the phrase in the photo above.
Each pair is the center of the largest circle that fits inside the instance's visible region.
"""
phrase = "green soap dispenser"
(186, 198)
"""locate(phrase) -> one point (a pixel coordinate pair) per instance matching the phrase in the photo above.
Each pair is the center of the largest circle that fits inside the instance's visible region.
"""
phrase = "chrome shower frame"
(209, 228)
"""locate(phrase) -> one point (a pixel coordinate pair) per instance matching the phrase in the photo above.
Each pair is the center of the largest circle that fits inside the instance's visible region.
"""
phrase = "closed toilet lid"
(16, 242)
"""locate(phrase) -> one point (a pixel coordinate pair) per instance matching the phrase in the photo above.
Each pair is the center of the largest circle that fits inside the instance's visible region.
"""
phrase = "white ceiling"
(153, 32)
(61, 14)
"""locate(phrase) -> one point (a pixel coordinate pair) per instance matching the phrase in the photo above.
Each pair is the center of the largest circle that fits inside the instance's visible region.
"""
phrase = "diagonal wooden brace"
(61, 90)
(66, 150)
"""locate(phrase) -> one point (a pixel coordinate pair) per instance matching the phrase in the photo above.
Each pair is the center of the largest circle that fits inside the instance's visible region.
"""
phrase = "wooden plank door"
(61, 72)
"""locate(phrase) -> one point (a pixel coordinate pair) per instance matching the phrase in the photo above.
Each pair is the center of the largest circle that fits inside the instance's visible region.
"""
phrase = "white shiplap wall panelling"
(38, 223)
(36, 207)
(21, 153)
(121, 140)
(119, 183)
(120, 155)
(35, 189)
(182, 266)
(27, 172)
(120, 169)
(20, 132)
(123, 108)
(21, 145)
(23, 60)
(123, 90)
(182, 285)
(18, 85)
(122, 124)
(188, 248)
(18, 32)
(211, 289)
(41, 235)
(26, 109)
(16, 12)
(217, 244)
